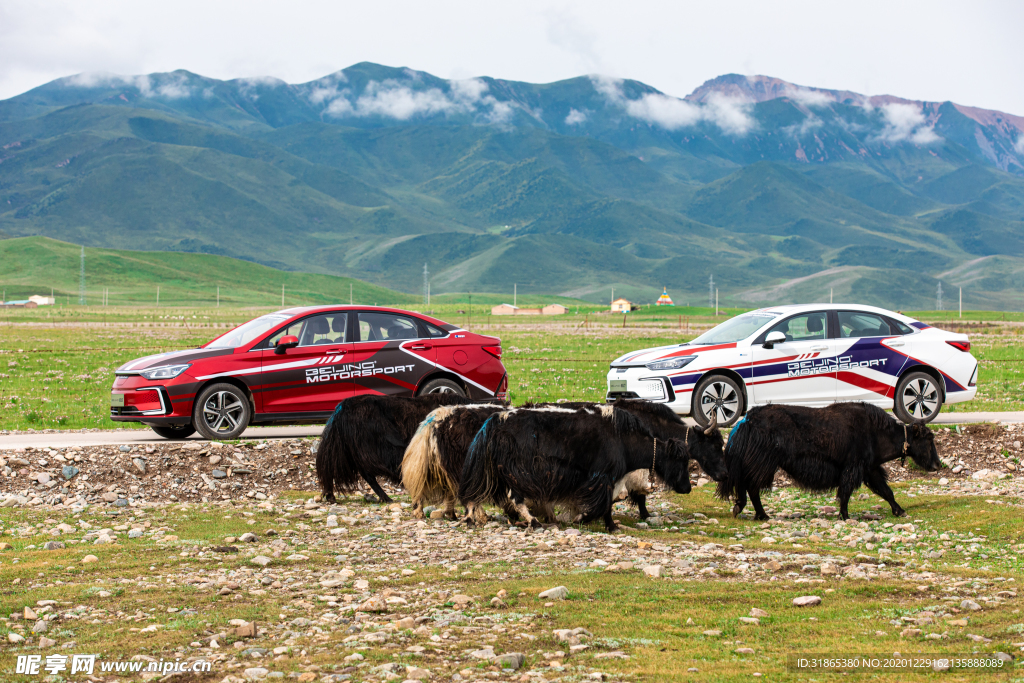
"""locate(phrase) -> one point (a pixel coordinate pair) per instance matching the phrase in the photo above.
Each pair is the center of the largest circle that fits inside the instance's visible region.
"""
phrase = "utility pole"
(830, 295)
(961, 302)
(426, 285)
(218, 296)
(515, 292)
(81, 280)
(938, 297)
(158, 295)
(716, 300)
(711, 289)
(350, 294)
(613, 297)
(282, 295)
(428, 295)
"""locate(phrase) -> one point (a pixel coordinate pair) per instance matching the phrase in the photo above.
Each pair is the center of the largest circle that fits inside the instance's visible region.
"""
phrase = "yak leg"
(741, 501)
(417, 509)
(474, 511)
(849, 480)
(875, 480)
(547, 512)
(755, 498)
(449, 508)
(383, 497)
(524, 512)
(640, 500)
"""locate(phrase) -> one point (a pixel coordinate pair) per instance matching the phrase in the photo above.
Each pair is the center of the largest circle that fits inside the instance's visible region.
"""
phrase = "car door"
(308, 378)
(389, 355)
(871, 353)
(798, 371)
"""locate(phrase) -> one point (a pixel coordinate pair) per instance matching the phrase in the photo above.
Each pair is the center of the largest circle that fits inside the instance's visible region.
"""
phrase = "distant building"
(664, 299)
(624, 306)
(21, 303)
(43, 300)
(509, 309)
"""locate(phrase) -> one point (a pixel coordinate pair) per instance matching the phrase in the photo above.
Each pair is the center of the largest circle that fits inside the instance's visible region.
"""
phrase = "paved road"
(145, 436)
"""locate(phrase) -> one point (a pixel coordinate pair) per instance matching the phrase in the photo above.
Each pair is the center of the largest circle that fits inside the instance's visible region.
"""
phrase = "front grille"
(615, 395)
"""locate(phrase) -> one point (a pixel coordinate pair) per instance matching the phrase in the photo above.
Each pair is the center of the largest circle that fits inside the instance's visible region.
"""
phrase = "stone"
(214, 459)
(69, 472)
(109, 497)
(248, 537)
(218, 474)
(29, 614)
(558, 593)
(756, 612)
(13, 637)
(910, 632)
(828, 569)
(956, 622)
(140, 464)
(407, 622)
(124, 449)
(297, 557)
(483, 653)
(753, 621)
(970, 605)
(653, 570)
(257, 673)
(416, 673)
(437, 514)
(807, 601)
(772, 566)
(248, 630)
(261, 560)
(744, 651)
(510, 660)
(374, 604)
(45, 642)
(768, 539)
(53, 545)
(41, 626)
(88, 559)
(135, 533)
(461, 600)
(712, 633)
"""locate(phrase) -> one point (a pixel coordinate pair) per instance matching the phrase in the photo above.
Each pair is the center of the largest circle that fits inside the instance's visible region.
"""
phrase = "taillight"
(493, 350)
(960, 345)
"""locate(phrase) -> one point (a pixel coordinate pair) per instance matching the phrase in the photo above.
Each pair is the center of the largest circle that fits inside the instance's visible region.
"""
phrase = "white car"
(810, 355)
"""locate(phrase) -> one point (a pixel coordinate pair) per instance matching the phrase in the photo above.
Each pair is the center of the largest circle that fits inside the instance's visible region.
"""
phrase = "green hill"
(35, 265)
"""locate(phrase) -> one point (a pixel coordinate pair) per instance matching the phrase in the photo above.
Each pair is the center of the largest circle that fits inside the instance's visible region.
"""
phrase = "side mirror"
(289, 341)
(773, 338)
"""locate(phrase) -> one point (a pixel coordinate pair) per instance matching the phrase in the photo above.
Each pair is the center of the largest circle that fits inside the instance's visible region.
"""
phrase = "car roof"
(789, 309)
(306, 310)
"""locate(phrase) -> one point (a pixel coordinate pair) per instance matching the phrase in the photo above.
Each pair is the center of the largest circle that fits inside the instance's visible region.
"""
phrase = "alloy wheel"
(920, 398)
(720, 398)
(223, 411)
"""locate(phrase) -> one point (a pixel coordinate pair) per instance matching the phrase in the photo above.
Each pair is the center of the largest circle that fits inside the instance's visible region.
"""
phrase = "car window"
(243, 334)
(326, 328)
(805, 327)
(435, 332)
(295, 329)
(899, 328)
(735, 329)
(386, 327)
(854, 324)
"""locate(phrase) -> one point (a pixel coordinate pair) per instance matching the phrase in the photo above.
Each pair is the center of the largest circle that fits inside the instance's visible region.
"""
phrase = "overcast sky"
(968, 52)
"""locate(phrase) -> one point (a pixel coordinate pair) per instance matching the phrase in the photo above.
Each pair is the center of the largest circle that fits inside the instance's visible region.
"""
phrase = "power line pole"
(350, 294)
(81, 280)
(938, 297)
(515, 292)
(426, 285)
(282, 295)
(711, 289)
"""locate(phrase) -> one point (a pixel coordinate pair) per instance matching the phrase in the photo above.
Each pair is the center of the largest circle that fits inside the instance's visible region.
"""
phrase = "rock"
(13, 637)
(744, 651)
(124, 449)
(653, 570)
(261, 560)
(249, 630)
(297, 557)
(109, 497)
(828, 569)
(772, 566)
(135, 533)
(910, 632)
(753, 621)
(510, 660)
(807, 601)
(970, 605)
(53, 545)
(41, 626)
(5, 546)
(214, 459)
(248, 537)
(374, 604)
(484, 653)
(712, 633)
(437, 514)
(943, 482)
(29, 614)
(558, 593)
(1003, 657)
(89, 559)
(218, 474)
(497, 603)
(768, 539)
(45, 642)
(461, 600)
(140, 464)
(405, 623)
(755, 612)
(416, 673)
(956, 622)
(69, 472)
(257, 673)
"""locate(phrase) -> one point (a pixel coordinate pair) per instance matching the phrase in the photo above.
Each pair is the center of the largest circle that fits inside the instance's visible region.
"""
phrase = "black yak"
(706, 446)
(366, 438)
(557, 455)
(821, 449)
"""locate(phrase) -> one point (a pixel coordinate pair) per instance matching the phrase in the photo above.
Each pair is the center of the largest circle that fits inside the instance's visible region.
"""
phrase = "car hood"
(643, 356)
(170, 358)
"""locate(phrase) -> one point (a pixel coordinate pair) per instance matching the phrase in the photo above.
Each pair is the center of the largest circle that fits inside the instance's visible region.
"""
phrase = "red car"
(295, 366)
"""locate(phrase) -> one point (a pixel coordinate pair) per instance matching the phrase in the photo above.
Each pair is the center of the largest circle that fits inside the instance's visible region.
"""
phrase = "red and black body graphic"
(296, 365)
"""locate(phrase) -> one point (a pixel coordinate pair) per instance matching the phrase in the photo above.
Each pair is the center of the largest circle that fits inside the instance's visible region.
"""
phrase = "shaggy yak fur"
(433, 462)
(705, 446)
(565, 456)
(822, 449)
(366, 438)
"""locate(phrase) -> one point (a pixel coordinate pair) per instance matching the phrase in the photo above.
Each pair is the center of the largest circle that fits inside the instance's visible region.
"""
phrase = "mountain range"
(775, 192)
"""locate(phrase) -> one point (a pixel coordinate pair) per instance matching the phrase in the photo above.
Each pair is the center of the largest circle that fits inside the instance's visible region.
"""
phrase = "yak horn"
(714, 422)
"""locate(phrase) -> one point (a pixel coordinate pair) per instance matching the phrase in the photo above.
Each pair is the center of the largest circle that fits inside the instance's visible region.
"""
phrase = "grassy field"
(57, 374)
(143, 596)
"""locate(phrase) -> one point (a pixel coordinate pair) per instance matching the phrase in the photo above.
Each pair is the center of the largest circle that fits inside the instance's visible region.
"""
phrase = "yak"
(366, 438)
(565, 456)
(705, 446)
(837, 448)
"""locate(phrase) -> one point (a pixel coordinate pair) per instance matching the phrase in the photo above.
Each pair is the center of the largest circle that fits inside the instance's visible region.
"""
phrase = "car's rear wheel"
(721, 395)
(442, 386)
(918, 398)
(173, 431)
(222, 411)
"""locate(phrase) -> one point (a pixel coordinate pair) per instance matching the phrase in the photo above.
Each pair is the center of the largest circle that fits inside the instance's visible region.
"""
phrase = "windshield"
(736, 329)
(243, 334)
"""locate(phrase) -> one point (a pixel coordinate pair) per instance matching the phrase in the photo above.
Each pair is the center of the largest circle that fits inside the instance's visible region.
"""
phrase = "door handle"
(819, 348)
(896, 343)
(420, 347)
(337, 350)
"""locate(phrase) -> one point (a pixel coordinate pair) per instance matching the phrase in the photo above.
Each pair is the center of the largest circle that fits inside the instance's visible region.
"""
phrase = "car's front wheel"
(918, 398)
(222, 411)
(720, 395)
(174, 432)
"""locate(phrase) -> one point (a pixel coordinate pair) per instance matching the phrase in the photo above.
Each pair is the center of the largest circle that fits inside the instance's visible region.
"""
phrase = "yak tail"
(479, 481)
(422, 474)
(735, 452)
(334, 463)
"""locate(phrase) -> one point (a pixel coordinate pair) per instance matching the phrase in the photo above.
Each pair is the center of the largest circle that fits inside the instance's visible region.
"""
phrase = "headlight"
(165, 371)
(671, 363)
